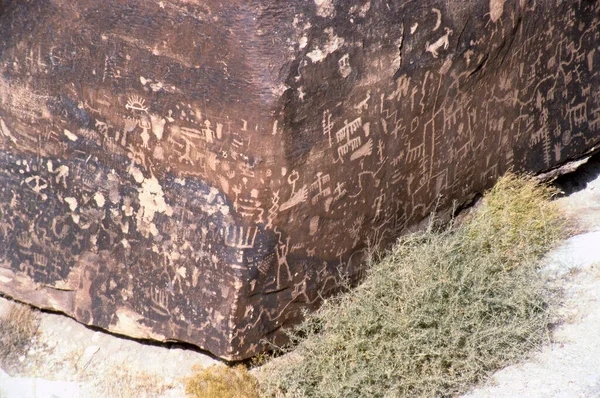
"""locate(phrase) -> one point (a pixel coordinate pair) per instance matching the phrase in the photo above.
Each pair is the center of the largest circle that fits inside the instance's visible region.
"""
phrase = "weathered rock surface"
(202, 170)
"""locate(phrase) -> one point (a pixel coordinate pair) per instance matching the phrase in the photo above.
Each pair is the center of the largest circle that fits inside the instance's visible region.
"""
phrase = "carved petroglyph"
(327, 126)
(346, 140)
(210, 196)
(325, 8)
(320, 187)
(438, 21)
(441, 43)
(496, 9)
(577, 114)
(6, 134)
(240, 237)
(158, 126)
(136, 103)
(297, 198)
(365, 150)
(152, 202)
(333, 43)
(281, 251)
(364, 104)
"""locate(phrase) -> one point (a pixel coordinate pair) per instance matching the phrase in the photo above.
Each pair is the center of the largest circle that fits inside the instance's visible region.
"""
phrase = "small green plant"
(260, 359)
(220, 381)
(18, 328)
(436, 315)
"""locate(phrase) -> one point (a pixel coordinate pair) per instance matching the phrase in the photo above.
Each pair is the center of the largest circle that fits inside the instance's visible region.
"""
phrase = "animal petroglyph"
(192, 186)
(442, 42)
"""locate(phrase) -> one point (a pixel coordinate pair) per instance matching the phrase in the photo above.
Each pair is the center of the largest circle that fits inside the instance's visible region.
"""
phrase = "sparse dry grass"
(124, 382)
(18, 328)
(438, 314)
(220, 381)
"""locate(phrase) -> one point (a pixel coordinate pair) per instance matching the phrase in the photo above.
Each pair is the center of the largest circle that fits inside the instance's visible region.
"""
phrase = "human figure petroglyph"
(145, 125)
(216, 133)
(208, 131)
(187, 151)
(281, 250)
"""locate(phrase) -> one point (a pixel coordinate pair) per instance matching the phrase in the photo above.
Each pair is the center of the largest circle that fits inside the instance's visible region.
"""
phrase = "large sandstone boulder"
(202, 171)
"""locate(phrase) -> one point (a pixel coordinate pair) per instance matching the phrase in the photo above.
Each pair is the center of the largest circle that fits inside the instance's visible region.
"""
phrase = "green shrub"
(438, 314)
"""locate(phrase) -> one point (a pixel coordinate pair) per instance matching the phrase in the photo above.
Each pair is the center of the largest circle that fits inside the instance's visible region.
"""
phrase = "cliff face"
(203, 171)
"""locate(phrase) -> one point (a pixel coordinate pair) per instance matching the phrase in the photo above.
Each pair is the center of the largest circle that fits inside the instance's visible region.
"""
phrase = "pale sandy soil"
(69, 360)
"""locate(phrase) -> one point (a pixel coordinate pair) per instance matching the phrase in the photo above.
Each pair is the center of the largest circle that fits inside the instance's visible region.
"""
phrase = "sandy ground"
(69, 360)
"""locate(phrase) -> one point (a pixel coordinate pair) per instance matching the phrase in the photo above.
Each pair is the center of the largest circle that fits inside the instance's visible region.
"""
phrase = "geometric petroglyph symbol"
(240, 237)
(327, 131)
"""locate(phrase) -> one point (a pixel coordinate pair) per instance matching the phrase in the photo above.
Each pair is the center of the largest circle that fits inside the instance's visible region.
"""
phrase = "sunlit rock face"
(202, 171)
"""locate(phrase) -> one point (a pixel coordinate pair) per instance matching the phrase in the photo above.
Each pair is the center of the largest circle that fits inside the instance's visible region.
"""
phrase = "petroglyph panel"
(203, 171)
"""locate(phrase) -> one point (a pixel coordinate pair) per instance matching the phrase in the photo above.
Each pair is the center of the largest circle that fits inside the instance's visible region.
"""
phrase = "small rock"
(87, 356)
